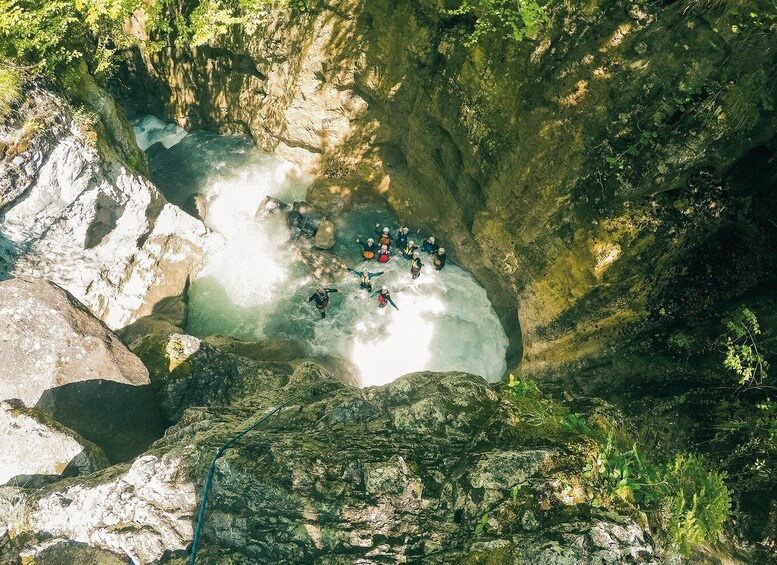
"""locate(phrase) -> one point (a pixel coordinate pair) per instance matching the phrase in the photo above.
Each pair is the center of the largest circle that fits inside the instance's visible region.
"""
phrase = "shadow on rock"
(117, 417)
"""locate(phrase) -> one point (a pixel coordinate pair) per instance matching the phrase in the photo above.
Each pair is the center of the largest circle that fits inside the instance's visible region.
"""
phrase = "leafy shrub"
(509, 19)
(48, 35)
(523, 388)
(742, 353)
(698, 502)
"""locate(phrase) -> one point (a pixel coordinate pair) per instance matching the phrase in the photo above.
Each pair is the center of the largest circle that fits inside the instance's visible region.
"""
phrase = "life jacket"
(385, 240)
(408, 252)
(365, 280)
(439, 262)
(383, 257)
(381, 300)
(417, 264)
(369, 251)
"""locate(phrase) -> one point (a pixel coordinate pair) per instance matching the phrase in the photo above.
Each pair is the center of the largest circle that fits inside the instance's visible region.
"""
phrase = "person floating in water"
(384, 254)
(401, 240)
(415, 265)
(384, 237)
(321, 297)
(366, 277)
(439, 259)
(384, 297)
(408, 250)
(370, 249)
(429, 246)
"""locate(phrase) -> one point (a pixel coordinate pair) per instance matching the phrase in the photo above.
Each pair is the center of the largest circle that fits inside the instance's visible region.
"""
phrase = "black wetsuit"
(365, 284)
(384, 298)
(439, 261)
(322, 300)
(415, 267)
(401, 240)
(430, 247)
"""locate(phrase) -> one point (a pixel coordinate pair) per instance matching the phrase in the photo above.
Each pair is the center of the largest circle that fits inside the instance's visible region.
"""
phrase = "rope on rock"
(212, 471)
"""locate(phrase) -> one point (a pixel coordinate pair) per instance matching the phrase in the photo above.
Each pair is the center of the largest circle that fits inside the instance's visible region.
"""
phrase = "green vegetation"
(742, 354)
(211, 19)
(512, 20)
(683, 497)
(48, 35)
(10, 90)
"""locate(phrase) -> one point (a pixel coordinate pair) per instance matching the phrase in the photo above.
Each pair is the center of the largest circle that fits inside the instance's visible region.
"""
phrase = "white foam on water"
(256, 288)
(151, 130)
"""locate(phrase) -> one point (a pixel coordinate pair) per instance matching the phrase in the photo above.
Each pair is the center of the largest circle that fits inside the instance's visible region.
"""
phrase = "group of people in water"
(382, 251)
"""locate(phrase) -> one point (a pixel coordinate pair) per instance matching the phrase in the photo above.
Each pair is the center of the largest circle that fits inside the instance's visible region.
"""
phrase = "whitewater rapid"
(257, 288)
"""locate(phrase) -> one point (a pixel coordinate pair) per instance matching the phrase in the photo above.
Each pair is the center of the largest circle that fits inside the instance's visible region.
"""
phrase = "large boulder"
(325, 236)
(56, 356)
(75, 213)
(36, 448)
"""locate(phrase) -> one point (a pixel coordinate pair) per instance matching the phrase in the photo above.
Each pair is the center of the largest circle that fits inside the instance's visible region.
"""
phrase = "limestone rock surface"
(56, 356)
(36, 448)
(75, 213)
(400, 474)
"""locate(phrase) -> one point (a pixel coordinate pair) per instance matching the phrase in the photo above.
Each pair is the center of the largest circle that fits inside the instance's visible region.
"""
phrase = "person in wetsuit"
(321, 298)
(384, 254)
(415, 265)
(365, 278)
(407, 251)
(401, 240)
(439, 259)
(370, 249)
(429, 245)
(384, 297)
(384, 237)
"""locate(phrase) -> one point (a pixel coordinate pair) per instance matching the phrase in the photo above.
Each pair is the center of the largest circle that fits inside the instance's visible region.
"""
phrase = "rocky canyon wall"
(610, 174)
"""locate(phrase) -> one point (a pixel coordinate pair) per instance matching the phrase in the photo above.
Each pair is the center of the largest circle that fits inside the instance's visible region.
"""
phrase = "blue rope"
(212, 471)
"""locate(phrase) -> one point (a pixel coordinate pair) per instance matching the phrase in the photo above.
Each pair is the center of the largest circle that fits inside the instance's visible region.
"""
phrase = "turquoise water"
(257, 286)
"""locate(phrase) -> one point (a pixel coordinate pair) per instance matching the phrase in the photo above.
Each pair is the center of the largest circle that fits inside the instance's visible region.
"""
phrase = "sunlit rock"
(37, 449)
(325, 235)
(56, 356)
(89, 222)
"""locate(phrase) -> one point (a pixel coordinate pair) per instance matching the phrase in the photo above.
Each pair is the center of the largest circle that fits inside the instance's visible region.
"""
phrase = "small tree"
(742, 353)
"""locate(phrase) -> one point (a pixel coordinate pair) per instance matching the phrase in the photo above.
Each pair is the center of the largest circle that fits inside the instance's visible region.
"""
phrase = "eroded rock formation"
(577, 174)
(74, 212)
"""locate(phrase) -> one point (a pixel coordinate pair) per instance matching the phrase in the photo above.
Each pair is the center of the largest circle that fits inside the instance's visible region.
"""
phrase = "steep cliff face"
(75, 208)
(610, 173)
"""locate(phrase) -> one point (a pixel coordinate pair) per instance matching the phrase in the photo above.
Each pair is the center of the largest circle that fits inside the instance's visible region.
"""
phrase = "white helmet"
(411, 243)
(385, 230)
(431, 239)
(384, 288)
(441, 250)
(405, 230)
(370, 240)
(365, 272)
(384, 247)
(415, 253)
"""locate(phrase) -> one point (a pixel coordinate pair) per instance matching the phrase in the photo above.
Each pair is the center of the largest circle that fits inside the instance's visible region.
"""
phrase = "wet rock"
(186, 371)
(36, 449)
(56, 356)
(305, 218)
(270, 206)
(196, 205)
(325, 236)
